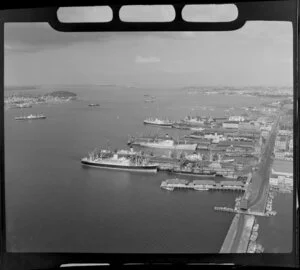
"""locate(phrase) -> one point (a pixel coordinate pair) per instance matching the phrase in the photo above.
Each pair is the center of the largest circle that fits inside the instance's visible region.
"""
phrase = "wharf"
(229, 239)
(203, 185)
(245, 238)
(247, 213)
(228, 244)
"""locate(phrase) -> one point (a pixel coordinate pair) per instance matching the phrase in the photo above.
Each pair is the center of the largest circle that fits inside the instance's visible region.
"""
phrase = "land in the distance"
(22, 100)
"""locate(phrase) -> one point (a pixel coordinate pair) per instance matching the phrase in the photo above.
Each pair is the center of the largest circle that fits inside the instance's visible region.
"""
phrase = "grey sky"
(258, 54)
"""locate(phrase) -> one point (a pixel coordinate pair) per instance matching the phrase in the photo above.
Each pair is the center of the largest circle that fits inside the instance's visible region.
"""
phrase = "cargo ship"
(109, 160)
(31, 117)
(194, 120)
(163, 143)
(158, 122)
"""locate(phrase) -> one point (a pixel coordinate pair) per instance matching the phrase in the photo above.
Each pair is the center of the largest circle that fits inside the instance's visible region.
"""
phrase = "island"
(26, 100)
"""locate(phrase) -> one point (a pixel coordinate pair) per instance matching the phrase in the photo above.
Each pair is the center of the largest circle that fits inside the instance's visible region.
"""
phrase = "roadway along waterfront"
(260, 180)
(258, 196)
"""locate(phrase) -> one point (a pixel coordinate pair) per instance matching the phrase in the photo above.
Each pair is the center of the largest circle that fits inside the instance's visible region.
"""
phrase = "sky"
(260, 53)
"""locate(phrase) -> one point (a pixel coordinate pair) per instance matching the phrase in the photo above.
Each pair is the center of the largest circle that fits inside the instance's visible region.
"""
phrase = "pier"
(176, 183)
(231, 234)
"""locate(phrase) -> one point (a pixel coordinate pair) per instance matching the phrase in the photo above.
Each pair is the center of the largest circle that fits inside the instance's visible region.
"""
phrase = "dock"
(176, 183)
(229, 239)
(245, 238)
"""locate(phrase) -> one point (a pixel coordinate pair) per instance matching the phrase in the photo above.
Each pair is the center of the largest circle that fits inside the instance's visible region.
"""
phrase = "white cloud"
(146, 60)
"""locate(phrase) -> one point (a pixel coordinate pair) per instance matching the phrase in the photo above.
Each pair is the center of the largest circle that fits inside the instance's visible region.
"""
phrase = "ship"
(158, 122)
(165, 143)
(167, 187)
(125, 152)
(111, 160)
(31, 117)
(194, 120)
(94, 105)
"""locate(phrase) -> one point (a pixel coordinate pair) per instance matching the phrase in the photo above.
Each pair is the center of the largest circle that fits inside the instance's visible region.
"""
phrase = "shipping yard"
(233, 153)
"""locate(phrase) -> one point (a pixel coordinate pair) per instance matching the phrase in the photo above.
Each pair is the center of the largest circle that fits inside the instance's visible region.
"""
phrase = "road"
(259, 185)
(260, 180)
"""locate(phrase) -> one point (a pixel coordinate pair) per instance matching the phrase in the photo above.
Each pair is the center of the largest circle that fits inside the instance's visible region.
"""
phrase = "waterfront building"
(279, 155)
(244, 204)
(216, 138)
(283, 167)
(285, 132)
(230, 124)
(232, 184)
(236, 118)
(176, 181)
(265, 133)
(204, 183)
(281, 182)
(266, 128)
(220, 119)
(273, 181)
(281, 143)
(291, 145)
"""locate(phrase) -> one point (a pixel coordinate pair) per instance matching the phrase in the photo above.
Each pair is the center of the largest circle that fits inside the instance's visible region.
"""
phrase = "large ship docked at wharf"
(158, 122)
(162, 143)
(119, 161)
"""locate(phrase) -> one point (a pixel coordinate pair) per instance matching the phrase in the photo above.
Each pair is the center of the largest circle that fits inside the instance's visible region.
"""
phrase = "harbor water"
(54, 204)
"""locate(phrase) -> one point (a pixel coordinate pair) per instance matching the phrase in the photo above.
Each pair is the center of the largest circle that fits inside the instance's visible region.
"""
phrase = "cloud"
(34, 37)
(147, 60)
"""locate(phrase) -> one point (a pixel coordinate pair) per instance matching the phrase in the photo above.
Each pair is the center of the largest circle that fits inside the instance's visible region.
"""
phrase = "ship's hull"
(157, 124)
(167, 188)
(20, 119)
(145, 168)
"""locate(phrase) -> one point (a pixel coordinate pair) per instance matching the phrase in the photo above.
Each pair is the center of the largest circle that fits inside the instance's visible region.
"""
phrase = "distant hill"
(62, 94)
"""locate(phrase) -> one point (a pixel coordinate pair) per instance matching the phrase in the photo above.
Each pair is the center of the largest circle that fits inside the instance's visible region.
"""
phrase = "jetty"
(176, 183)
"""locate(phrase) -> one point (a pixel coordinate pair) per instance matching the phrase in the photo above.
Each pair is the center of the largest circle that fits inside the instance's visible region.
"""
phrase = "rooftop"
(176, 181)
(231, 183)
(203, 182)
(285, 166)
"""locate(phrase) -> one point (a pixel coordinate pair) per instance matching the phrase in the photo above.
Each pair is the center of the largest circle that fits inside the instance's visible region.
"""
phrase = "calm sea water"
(54, 204)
